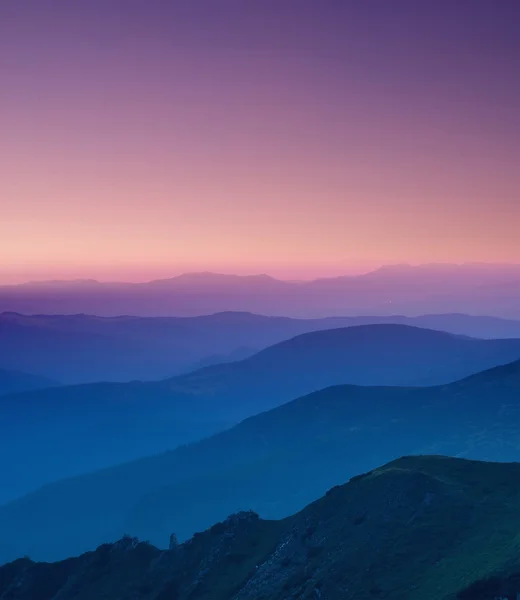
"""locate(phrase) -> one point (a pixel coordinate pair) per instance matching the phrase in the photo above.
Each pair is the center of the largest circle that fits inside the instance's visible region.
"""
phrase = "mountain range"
(491, 289)
(76, 429)
(76, 349)
(274, 463)
(418, 528)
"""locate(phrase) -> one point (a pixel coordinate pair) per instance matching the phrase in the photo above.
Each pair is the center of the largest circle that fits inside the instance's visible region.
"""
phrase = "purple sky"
(142, 138)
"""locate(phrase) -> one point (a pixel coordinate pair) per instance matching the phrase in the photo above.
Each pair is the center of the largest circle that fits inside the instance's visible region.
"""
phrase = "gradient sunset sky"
(142, 138)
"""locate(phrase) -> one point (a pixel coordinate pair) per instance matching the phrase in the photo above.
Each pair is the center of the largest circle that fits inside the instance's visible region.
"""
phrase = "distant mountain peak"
(210, 277)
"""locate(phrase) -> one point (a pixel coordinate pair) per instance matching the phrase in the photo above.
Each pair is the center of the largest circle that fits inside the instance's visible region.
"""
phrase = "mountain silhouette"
(274, 463)
(76, 429)
(76, 349)
(491, 289)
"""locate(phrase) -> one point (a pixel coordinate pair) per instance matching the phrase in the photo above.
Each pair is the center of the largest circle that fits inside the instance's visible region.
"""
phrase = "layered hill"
(76, 429)
(12, 382)
(403, 289)
(76, 349)
(385, 354)
(416, 529)
(274, 463)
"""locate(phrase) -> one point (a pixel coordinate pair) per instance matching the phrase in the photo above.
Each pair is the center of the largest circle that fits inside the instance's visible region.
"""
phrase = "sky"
(140, 139)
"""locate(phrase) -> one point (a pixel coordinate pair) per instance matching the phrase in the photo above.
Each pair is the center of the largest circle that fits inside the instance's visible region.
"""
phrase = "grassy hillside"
(419, 528)
(274, 463)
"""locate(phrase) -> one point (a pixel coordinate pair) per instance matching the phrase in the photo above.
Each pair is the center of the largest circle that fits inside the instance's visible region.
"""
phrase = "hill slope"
(76, 349)
(12, 382)
(80, 428)
(416, 529)
(384, 354)
(274, 463)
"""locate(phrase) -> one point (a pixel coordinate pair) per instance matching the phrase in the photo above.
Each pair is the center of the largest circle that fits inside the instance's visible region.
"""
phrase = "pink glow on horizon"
(140, 274)
(296, 144)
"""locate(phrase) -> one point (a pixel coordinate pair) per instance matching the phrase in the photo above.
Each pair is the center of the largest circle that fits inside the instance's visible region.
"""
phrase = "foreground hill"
(81, 428)
(76, 349)
(418, 528)
(274, 463)
(15, 381)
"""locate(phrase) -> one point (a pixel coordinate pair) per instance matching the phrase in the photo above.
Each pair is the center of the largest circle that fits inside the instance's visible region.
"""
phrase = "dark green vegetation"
(12, 382)
(99, 425)
(419, 528)
(274, 463)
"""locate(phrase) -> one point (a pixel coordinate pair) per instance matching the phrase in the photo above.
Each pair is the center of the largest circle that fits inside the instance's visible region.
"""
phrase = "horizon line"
(253, 274)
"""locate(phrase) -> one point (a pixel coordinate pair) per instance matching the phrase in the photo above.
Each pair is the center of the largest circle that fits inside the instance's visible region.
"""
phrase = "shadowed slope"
(12, 382)
(76, 349)
(275, 463)
(80, 428)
